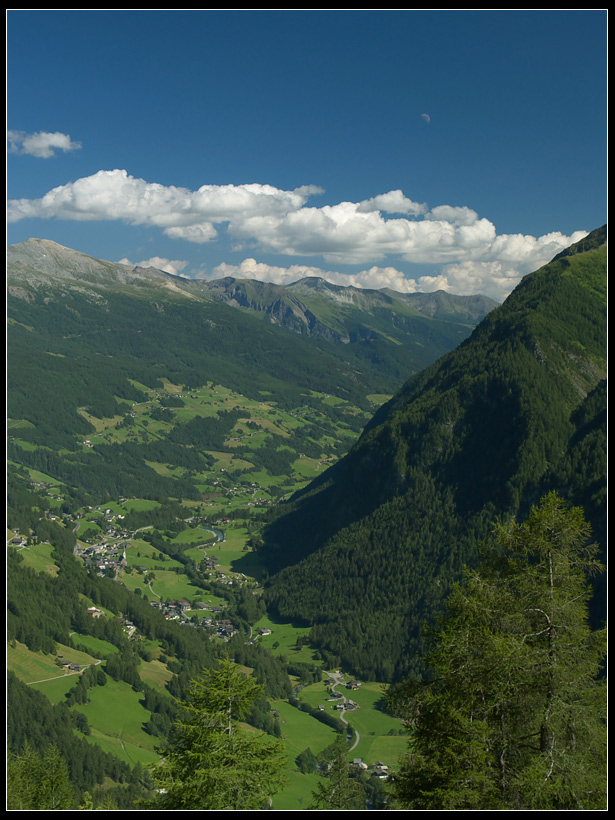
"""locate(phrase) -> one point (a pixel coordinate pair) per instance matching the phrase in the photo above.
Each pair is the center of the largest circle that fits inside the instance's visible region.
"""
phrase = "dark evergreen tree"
(514, 714)
(306, 761)
(39, 782)
(212, 762)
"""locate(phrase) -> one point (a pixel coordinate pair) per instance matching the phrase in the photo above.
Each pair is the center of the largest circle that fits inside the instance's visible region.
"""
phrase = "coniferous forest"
(242, 514)
(516, 410)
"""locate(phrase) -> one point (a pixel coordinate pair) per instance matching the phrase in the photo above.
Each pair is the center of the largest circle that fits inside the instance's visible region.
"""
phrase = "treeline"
(168, 515)
(25, 507)
(324, 717)
(162, 450)
(270, 457)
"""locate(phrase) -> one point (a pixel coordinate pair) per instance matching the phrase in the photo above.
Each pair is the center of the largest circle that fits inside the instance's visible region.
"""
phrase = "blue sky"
(407, 149)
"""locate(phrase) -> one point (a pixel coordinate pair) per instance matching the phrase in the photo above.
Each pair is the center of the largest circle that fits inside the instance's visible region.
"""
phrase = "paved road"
(337, 676)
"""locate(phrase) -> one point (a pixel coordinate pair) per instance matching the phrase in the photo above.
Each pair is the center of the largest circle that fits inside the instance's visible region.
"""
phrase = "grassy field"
(42, 671)
(163, 584)
(299, 732)
(95, 647)
(38, 557)
(155, 673)
(32, 667)
(283, 638)
(260, 425)
(116, 717)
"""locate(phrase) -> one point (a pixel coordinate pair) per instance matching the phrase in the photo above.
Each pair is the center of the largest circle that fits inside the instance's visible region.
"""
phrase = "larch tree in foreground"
(39, 782)
(514, 714)
(214, 762)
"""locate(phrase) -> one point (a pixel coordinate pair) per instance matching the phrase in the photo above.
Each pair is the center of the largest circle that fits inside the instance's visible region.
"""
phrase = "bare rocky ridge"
(310, 306)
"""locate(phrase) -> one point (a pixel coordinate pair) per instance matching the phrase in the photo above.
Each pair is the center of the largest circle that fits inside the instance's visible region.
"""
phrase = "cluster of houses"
(104, 556)
(179, 611)
(343, 703)
(378, 769)
(209, 563)
(110, 522)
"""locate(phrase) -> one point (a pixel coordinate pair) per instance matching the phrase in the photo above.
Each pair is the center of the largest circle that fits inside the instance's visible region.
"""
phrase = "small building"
(94, 612)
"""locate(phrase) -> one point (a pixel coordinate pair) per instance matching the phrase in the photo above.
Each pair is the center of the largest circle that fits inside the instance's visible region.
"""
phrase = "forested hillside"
(88, 338)
(151, 427)
(154, 432)
(368, 552)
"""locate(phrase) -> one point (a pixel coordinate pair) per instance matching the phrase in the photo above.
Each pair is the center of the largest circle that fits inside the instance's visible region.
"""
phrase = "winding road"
(337, 677)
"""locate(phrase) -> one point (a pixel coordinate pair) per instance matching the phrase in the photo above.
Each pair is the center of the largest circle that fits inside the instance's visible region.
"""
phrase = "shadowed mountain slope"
(367, 553)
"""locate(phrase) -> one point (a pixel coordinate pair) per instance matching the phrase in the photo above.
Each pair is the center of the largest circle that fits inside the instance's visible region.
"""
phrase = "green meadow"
(116, 717)
(163, 584)
(283, 639)
(31, 666)
(43, 672)
(300, 731)
(96, 647)
(38, 557)
(261, 429)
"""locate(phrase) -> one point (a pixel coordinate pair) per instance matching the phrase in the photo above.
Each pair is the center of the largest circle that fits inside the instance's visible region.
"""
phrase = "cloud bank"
(386, 230)
(490, 279)
(172, 266)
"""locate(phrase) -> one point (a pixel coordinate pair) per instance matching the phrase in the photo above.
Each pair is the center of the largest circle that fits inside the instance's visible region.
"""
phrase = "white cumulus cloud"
(42, 144)
(393, 202)
(183, 213)
(455, 214)
(378, 233)
(173, 266)
(494, 279)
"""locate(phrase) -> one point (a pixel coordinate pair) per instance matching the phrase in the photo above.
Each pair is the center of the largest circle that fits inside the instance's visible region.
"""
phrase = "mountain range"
(155, 426)
(83, 332)
(425, 324)
(314, 306)
(502, 404)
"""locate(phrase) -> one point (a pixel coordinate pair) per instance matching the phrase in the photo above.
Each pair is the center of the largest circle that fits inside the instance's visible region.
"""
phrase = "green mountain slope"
(367, 552)
(130, 382)
(423, 322)
(88, 338)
